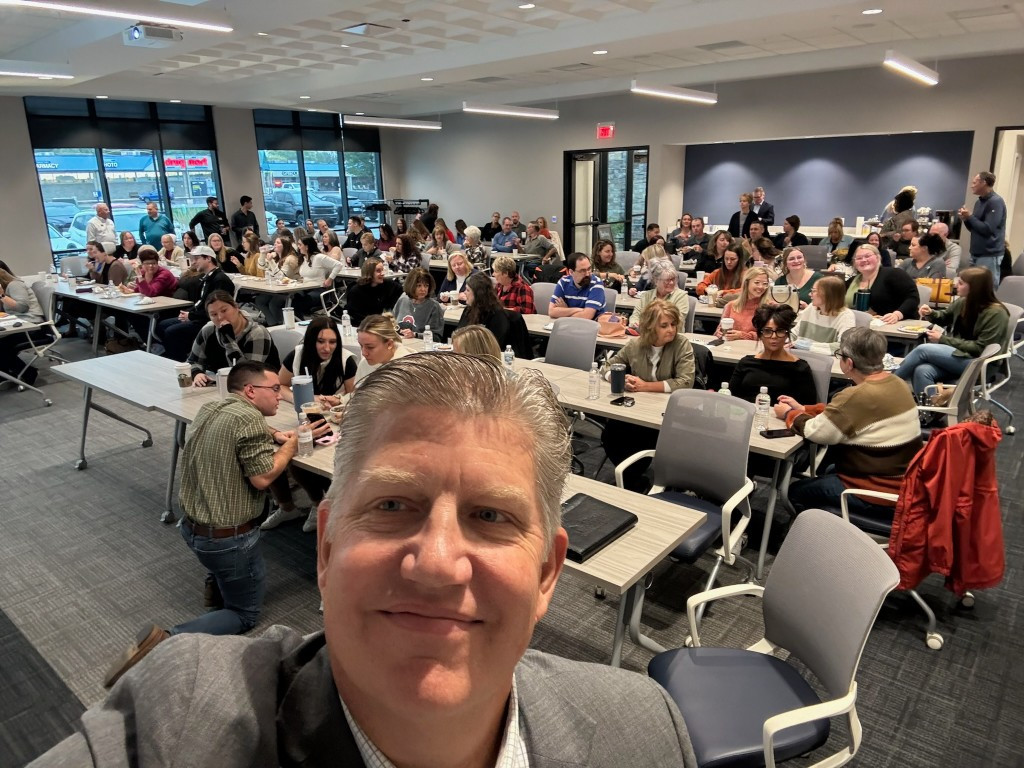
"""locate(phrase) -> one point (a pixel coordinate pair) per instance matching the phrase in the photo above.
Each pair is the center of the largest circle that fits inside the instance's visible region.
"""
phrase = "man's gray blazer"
(199, 701)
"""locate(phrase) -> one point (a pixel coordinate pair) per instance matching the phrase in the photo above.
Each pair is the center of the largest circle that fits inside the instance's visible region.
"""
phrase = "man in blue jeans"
(987, 224)
(227, 465)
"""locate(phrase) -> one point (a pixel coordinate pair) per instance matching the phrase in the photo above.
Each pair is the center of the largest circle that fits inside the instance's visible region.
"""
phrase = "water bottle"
(762, 410)
(725, 389)
(305, 437)
(594, 384)
(508, 357)
(428, 339)
(346, 325)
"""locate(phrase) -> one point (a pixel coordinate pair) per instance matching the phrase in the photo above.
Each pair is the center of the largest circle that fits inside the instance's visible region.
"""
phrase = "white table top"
(138, 377)
(124, 302)
(260, 285)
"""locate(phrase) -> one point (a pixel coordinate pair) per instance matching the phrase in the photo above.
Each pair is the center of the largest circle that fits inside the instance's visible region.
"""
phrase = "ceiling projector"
(151, 36)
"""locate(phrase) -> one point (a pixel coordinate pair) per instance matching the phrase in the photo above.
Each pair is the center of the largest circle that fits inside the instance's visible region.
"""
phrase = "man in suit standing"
(765, 211)
(433, 577)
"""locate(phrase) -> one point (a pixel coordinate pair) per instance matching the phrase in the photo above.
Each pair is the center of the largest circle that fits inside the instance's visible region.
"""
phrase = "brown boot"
(148, 638)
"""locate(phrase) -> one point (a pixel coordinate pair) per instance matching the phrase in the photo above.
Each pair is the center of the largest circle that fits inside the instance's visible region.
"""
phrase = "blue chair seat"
(726, 694)
(698, 542)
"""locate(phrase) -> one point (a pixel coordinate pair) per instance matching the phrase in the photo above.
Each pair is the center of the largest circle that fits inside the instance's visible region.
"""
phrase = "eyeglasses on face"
(275, 387)
(838, 355)
(777, 332)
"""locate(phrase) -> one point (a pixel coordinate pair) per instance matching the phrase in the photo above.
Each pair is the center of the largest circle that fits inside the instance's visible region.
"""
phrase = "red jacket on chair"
(947, 519)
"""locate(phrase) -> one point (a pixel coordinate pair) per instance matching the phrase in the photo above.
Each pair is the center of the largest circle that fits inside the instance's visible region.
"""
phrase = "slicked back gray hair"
(465, 385)
(864, 348)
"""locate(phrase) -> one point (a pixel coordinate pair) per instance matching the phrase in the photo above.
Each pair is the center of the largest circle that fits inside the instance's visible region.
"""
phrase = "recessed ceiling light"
(345, 45)
(527, 6)
(600, 53)
(262, 34)
(102, 97)
(311, 110)
(871, 11)
(305, 97)
(175, 101)
(360, 114)
(427, 79)
(45, 77)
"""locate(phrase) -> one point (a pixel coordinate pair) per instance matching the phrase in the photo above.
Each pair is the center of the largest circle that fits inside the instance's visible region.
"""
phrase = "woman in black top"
(373, 293)
(129, 247)
(321, 356)
(894, 294)
(774, 366)
(483, 308)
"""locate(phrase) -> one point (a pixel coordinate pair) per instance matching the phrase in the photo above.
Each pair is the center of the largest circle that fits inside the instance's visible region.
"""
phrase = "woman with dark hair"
(128, 247)
(417, 308)
(373, 294)
(440, 246)
(279, 263)
(429, 218)
(797, 275)
(420, 234)
(447, 231)
(764, 250)
(460, 231)
(406, 255)
(320, 355)
(483, 308)
(230, 337)
(774, 366)
(728, 278)
(400, 226)
(388, 238)
(602, 257)
(189, 240)
(975, 319)
(712, 257)
(898, 211)
(314, 267)
(331, 245)
(248, 256)
(791, 234)
(925, 257)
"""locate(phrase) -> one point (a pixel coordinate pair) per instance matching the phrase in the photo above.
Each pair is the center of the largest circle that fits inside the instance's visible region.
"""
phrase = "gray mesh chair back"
(45, 293)
(821, 369)
(1011, 290)
(74, 264)
(285, 339)
(573, 343)
(627, 259)
(1018, 266)
(699, 424)
(925, 292)
(542, 296)
(863, 318)
(963, 395)
(816, 256)
(690, 314)
(610, 297)
(823, 593)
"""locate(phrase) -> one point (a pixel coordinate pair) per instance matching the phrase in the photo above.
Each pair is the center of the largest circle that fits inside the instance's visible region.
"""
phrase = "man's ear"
(323, 543)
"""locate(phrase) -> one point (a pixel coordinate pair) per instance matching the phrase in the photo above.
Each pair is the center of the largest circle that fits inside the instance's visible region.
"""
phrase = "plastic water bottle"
(762, 410)
(428, 339)
(594, 384)
(346, 325)
(305, 437)
(508, 357)
(725, 389)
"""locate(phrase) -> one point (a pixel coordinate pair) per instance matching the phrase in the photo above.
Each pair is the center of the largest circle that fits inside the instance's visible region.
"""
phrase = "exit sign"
(605, 131)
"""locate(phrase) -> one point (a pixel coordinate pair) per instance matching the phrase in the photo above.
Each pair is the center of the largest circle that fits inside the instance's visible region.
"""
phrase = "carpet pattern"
(86, 563)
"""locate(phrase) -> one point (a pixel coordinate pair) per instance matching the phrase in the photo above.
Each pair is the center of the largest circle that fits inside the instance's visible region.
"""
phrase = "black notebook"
(592, 525)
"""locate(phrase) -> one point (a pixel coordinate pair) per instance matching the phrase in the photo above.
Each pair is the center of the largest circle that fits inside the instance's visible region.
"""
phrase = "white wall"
(26, 245)
(477, 164)
(238, 160)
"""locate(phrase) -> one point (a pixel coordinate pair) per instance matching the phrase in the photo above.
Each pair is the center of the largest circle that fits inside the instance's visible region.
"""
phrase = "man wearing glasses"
(226, 467)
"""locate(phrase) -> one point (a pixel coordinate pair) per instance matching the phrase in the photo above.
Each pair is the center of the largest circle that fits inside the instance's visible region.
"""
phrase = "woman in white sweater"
(822, 323)
(314, 267)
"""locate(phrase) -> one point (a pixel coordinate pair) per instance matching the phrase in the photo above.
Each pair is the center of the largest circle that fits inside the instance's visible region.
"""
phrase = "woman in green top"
(975, 319)
(797, 275)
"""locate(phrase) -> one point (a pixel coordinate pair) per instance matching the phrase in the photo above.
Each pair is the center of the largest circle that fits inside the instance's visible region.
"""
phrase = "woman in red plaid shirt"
(513, 292)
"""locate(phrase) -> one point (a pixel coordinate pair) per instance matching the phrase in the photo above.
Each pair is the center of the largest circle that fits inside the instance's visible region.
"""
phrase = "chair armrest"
(697, 600)
(727, 508)
(794, 717)
(619, 468)
(864, 494)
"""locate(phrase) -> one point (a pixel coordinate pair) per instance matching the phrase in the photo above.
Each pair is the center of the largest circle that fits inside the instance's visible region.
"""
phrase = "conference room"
(805, 109)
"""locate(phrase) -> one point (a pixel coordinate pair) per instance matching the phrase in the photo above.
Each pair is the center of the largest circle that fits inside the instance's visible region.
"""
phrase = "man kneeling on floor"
(433, 576)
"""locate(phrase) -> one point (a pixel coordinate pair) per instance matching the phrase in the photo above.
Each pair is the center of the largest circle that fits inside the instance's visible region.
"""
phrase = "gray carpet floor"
(86, 563)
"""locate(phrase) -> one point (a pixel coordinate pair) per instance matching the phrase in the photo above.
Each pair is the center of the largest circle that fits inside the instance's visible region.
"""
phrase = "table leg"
(636, 599)
(177, 443)
(82, 463)
(620, 632)
(96, 326)
(288, 300)
(151, 331)
(780, 478)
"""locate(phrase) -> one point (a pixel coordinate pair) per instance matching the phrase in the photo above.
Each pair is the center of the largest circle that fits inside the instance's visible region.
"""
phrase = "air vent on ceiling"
(573, 67)
(367, 29)
(725, 45)
(375, 95)
(980, 13)
(487, 80)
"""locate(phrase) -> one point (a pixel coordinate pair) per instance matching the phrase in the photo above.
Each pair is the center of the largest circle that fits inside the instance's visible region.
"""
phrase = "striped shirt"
(591, 297)
(511, 755)
(230, 443)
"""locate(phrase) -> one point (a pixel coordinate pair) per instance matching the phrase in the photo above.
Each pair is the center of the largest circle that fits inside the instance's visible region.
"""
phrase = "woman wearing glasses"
(774, 366)
(893, 293)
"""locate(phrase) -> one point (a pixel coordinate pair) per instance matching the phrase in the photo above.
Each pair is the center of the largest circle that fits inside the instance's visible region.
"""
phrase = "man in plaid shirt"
(513, 292)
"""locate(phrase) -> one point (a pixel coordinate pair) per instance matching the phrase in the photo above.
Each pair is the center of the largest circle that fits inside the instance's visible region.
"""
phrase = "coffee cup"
(311, 409)
(727, 324)
(336, 413)
(700, 275)
(222, 382)
(453, 297)
(289, 317)
(862, 300)
(618, 379)
(302, 391)
(184, 373)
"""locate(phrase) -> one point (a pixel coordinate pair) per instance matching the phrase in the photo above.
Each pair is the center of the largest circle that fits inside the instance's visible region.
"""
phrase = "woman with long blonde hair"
(753, 293)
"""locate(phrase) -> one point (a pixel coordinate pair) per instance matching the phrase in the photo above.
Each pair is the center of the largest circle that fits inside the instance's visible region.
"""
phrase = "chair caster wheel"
(81, 464)
(688, 642)
(167, 517)
(47, 403)
(934, 641)
(967, 601)
(1011, 430)
(147, 442)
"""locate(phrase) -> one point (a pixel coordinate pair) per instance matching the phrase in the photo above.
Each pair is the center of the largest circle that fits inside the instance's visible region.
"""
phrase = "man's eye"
(390, 505)
(491, 516)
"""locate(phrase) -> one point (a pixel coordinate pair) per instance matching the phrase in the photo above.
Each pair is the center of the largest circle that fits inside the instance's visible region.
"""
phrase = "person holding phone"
(230, 337)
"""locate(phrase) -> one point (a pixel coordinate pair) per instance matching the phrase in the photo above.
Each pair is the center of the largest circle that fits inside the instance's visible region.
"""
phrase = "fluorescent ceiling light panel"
(132, 16)
(672, 92)
(390, 122)
(910, 68)
(25, 73)
(509, 111)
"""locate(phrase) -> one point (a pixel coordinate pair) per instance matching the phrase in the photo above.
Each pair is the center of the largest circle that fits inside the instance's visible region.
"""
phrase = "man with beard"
(576, 294)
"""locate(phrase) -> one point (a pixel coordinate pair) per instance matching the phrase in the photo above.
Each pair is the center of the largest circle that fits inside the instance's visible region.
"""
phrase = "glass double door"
(606, 195)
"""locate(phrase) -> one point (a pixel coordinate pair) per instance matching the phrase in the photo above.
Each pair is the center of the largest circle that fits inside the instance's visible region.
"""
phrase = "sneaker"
(310, 525)
(280, 515)
(148, 638)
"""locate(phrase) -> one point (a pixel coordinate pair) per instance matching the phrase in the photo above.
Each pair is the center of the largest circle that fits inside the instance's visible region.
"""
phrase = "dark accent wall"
(817, 179)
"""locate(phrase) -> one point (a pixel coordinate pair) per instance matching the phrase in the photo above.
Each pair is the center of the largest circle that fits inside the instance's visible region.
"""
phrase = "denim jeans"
(931, 363)
(991, 263)
(824, 491)
(237, 564)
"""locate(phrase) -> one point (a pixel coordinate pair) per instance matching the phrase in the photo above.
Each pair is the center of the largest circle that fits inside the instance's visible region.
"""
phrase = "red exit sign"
(605, 131)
